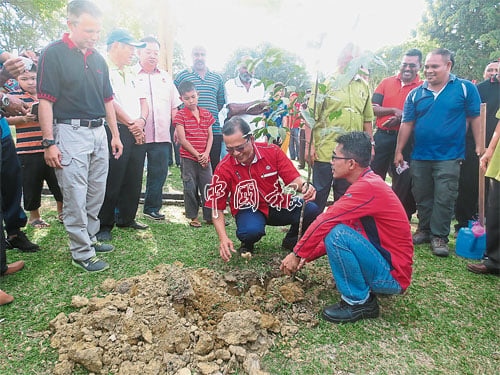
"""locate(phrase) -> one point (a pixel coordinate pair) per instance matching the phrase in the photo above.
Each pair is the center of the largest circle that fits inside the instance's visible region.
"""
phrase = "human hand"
(29, 118)
(16, 106)
(291, 264)
(52, 156)
(226, 247)
(116, 147)
(398, 159)
(14, 66)
(309, 192)
(485, 159)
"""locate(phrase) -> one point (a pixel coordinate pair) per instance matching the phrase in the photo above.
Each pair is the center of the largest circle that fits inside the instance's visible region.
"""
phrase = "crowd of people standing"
(87, 124)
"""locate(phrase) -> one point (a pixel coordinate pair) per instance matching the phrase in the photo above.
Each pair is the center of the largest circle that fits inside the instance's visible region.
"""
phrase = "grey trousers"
(82, 180)
(195, 178)
(435, 188)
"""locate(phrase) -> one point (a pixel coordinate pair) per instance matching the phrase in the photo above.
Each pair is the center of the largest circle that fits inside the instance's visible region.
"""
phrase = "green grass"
(446, 323)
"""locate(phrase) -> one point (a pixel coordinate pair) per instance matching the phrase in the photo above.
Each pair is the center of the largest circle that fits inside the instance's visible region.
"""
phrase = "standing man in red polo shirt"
(75, 95)
(248, 175)
(388, 101)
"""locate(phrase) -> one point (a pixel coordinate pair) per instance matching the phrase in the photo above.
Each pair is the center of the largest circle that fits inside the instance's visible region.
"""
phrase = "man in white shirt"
(163, 99)
(124, 182)
(245, 97)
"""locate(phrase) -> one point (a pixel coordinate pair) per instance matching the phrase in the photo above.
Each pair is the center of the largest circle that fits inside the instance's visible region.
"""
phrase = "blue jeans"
(293, 147)
(358, 266)
(157, 154)
(251, 226)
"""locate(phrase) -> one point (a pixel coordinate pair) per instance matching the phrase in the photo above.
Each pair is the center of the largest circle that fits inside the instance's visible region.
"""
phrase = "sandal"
(60, 218)
(39, 223)
(195, 223)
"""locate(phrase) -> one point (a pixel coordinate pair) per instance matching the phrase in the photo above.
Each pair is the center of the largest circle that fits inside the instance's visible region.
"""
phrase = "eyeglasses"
(412, 66)
(237, 148)
(335, 157)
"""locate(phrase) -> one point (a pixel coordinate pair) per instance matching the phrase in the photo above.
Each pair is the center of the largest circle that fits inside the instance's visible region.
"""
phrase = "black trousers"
(215, 151)
(12, 188)
(3, 255)
(124, 182)
(302, 148)
(493, 225)
(383, 162)
(35, 171)
(466, 207)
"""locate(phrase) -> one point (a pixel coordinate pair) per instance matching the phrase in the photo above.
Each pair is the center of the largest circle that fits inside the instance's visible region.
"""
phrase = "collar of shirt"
(495, 79)
(256, 157)
(237, 82)
(66, 39)
(126, 70)
(452, 78)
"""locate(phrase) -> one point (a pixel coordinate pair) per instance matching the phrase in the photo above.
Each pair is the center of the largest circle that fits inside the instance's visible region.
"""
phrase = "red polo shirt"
(392, 92)
(255, 186)
(196, 132)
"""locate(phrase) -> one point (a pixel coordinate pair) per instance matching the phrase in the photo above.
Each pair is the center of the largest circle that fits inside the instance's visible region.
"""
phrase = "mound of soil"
(183, 321)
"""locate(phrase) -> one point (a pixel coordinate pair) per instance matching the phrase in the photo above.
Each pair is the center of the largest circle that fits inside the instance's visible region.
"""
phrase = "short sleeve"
(409, 108)
(48, 76)
(473, 100)
(107, 90)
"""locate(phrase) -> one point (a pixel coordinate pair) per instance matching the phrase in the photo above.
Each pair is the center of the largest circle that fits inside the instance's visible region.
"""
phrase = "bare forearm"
(403, 135)
(111, 118)
(383, 111)
(209, 142)
(367, 127)
(219, 224)
(46, 118)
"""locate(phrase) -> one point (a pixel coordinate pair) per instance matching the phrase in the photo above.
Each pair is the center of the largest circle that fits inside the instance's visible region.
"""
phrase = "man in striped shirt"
(210, 89)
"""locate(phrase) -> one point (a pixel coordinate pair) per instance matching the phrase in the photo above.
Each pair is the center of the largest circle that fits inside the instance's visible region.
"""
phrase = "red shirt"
(295, 118)
(392, 93)
(370, 207)
(196, 133)
(255, 186)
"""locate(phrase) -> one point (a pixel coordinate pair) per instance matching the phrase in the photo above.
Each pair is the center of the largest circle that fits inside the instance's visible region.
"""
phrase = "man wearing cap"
(210, 89)
(75, 95)
(123, 186)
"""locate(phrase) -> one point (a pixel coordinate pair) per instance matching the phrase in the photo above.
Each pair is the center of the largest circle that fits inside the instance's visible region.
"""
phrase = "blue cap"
(123, 36)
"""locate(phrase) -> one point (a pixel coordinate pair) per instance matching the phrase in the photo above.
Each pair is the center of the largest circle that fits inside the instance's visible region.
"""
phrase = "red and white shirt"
(196, 132)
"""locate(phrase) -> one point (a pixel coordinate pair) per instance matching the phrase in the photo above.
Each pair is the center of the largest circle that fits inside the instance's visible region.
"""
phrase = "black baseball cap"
(123, 36)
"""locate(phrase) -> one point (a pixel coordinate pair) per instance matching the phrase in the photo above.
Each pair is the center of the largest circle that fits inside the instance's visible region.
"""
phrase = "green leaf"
(334, 115)
(307, 116)
(273, 131)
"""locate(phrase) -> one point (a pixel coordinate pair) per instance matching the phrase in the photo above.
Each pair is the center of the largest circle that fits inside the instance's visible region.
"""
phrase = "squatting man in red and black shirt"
(249, 176)
(366, 235)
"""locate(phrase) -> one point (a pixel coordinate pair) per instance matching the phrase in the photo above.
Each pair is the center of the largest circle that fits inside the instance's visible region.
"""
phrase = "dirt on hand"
(183, 321)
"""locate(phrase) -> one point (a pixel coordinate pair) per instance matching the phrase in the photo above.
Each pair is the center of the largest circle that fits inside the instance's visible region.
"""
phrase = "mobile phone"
(28, 63)
(34, 110)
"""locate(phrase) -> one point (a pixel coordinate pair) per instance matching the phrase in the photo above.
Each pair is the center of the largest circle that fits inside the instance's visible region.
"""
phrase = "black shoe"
(154, 215)
(21, 242)
(93, 264)
(102, 247)
(245, 248)
(135, 225)
(104, 235)
(342, 312)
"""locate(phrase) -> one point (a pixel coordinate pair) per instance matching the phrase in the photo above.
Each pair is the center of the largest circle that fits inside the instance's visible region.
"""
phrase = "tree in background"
(282, 66)
(469, 28)
(23, 22)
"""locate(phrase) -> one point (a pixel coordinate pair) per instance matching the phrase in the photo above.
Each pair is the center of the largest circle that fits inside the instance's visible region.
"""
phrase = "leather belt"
(82, 122)
(387, 131)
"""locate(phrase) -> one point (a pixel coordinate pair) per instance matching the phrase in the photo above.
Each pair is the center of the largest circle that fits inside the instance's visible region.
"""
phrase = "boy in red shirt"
(193, 127)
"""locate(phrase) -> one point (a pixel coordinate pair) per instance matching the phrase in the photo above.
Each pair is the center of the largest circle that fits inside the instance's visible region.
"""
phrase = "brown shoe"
(5, 298)
(481, 268)
(14, 267)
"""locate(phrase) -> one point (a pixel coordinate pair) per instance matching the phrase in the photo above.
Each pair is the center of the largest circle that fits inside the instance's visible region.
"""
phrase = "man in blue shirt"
(439, 113)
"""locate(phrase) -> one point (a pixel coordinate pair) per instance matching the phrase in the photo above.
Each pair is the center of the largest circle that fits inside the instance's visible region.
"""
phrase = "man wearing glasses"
(248, 175)
(365, 234)
(388, 101)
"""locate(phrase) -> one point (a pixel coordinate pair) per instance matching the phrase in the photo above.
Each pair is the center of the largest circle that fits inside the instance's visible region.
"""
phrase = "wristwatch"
(46, 143)
(4, 102)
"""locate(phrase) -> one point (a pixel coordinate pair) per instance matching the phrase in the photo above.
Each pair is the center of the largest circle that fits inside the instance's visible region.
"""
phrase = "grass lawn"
(446, 323)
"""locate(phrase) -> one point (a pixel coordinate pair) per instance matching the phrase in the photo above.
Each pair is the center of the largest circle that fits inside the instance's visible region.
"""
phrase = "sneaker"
(420, 237)
(245, 249)
(342, 312)
(21, 242)
(439, 247)
(154, 215)
(93, 264)
(102, 247)
(104, 235)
